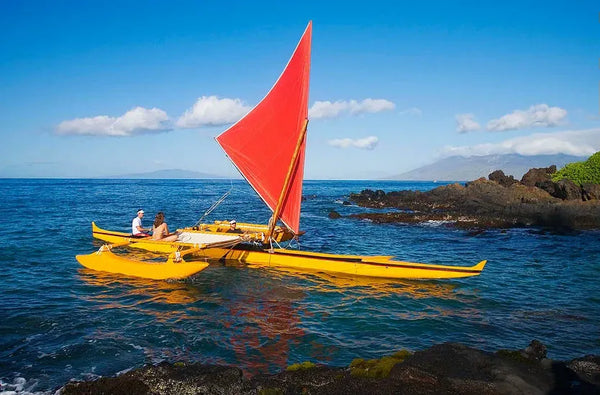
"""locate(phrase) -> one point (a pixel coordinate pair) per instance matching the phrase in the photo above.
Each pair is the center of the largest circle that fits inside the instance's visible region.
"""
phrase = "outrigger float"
(267, 146)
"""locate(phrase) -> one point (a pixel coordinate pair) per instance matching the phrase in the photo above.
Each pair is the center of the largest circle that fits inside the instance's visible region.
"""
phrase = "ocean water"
(60, 321)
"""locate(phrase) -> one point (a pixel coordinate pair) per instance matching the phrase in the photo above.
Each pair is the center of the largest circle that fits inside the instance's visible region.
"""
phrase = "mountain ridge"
(459, 168)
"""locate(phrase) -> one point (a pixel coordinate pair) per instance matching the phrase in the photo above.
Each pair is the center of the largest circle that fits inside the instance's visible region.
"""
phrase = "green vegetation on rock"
(581, 172)
(377, 368)
(301, 366)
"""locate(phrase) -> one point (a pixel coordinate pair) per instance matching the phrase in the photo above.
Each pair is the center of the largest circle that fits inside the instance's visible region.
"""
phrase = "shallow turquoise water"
(59, 321)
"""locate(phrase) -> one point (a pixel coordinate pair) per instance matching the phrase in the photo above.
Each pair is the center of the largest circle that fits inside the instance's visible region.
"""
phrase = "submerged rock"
(334, 214)
(443, 368)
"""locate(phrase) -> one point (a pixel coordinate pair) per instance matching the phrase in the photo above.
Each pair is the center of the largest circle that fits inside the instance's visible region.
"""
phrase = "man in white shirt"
(136, 225)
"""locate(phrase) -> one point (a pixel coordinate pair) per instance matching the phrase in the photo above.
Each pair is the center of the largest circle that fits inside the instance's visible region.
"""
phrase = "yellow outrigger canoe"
(256, 256)
(106, 261)
(267, 147)
(175, 266)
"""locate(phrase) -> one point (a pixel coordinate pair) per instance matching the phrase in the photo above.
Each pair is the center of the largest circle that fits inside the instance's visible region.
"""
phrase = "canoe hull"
(342, 264)
(355, 265)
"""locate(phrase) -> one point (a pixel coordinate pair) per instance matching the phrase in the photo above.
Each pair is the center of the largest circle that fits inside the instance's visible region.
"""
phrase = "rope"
(291, 243)
(276, 243)
(215, 205)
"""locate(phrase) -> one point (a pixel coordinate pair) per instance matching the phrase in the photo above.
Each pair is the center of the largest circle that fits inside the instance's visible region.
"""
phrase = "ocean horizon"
(241, 180)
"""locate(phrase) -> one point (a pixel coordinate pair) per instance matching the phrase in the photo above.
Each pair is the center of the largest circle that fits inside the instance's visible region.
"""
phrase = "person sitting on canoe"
(137, 230)
(160, 230)
(232, 227)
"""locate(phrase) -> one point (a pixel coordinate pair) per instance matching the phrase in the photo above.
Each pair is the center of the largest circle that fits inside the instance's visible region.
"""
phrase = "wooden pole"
(286, 183)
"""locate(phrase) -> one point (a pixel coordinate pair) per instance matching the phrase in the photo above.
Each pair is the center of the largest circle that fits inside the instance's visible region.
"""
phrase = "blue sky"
(92, 89)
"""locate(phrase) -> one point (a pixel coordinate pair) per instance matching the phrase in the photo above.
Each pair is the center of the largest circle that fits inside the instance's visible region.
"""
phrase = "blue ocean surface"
(60, 321)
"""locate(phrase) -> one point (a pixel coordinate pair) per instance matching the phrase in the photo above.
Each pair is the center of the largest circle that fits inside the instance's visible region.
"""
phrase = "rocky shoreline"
(444, 368)
(497, 202)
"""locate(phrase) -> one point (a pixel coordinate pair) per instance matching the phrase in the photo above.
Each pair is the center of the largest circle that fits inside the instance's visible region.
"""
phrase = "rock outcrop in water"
(497, 202)
(445, 368)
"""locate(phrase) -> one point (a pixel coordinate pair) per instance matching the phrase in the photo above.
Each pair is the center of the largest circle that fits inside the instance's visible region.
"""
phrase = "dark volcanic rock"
(483, 204)
(567, 190)
(372, 198)
(536, 350)
(165, 378)
(587, 369)
(538, 175)
(541, 178)
(464, 370)
(549, 186)
(318, 380)
(502, 179)
(445, 368)
(334, 214)
(590, 191)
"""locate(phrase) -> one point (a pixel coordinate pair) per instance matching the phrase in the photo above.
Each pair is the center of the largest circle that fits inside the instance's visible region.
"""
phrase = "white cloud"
(327, 109)
(136, 121)
(367, 143)
(572, 142)
(371, 105)
(212, 111)
(466, 123)
(539, 115)
(412, 111)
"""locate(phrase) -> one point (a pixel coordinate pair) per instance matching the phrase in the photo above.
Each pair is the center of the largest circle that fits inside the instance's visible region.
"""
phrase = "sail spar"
(262, 145)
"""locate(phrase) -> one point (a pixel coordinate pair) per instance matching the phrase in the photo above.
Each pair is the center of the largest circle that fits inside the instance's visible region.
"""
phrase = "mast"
(288, 177)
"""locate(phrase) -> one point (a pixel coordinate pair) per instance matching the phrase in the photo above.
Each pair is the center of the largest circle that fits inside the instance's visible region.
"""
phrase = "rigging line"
(215, 205)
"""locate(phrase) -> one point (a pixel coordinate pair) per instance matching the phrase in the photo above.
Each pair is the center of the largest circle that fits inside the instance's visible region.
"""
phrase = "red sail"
(262, 143)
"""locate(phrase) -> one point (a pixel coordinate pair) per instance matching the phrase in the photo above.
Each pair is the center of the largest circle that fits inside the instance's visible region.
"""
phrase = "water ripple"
(59, 321)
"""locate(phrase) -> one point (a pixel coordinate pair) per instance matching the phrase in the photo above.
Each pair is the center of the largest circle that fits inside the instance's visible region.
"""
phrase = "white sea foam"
(20, 386)
(88, 376)
(341, 201)
(120, 372)
(137, 347)
(435, 223)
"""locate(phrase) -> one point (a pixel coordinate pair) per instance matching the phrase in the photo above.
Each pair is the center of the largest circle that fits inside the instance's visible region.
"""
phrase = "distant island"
(455, 168)
(167, 174)
(459, 168)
